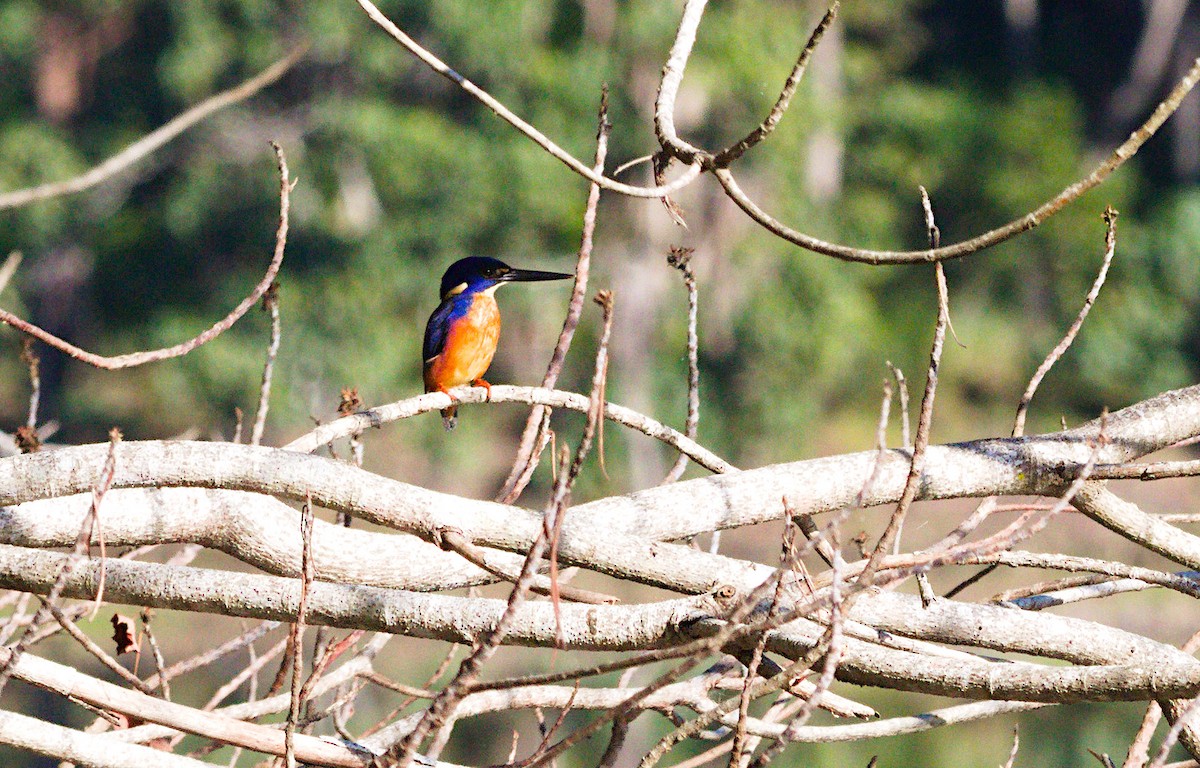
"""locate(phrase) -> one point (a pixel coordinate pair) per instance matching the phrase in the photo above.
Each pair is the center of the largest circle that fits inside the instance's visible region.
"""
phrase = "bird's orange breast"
(470, 344)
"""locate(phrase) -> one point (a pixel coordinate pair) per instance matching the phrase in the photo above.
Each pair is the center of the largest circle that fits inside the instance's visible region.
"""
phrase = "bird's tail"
(450, 417)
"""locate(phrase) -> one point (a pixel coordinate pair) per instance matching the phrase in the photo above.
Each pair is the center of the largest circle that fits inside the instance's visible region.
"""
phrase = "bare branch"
(733, 152)
(140, 358)
(153, 141)
(501, 393)
(271, 305)
(504, 113)
(1110, 247)
(680, 258)
(987, 239)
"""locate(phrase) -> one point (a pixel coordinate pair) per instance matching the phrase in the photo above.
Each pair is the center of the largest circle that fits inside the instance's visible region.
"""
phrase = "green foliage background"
(400, 174)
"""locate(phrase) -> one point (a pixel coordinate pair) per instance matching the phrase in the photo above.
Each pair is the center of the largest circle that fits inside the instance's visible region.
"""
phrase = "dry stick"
(1172, 736)
(1110, 247)
(734, 629)
(594, 420)
(681, 259)
(733, 152)
(331, 654)
(1094, 588)
(1042, 587)
(504, 113)
(504, 393)
(1139, 749)
(155, 139)
(297, 636)
(902, 386)
(164, 684)
(91, 647)
(548, 733)
(668, 88)
(30, 358)
(1012, 755)
(987, 239)
(69, 681)
(140, 358)
(9, 268)
(248, 673)
(616, 741)
(538, 421)
(271, 305)
(422, 692)
(215, 654)
(82, 545)
(917, 466)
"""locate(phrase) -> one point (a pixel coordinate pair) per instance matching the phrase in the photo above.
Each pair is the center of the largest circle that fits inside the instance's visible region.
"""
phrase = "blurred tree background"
(993, 106)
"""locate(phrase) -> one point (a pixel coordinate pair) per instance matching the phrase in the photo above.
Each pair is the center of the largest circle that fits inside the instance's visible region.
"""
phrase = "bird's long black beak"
(531, 276)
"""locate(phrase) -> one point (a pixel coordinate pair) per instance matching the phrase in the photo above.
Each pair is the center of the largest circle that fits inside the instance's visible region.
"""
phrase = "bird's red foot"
(485, 385)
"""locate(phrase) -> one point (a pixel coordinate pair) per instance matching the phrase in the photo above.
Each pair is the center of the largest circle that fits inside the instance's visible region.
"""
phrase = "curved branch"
(155, 139)
(502, 393)
(510, 117)
(672, 78)
(987, 239)
(166, 353)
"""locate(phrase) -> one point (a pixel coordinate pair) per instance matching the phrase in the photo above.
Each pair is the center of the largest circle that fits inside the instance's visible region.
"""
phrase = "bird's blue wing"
(437, 329)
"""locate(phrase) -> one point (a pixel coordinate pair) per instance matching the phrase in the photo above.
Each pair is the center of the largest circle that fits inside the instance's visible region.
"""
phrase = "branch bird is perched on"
(461, 335)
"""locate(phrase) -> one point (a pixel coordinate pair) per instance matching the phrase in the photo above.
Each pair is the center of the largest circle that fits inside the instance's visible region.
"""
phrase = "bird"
(462, 333)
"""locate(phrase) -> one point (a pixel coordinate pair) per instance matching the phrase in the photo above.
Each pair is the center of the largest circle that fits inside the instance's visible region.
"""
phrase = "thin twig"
(1110, 247)
(31, 359)
(786, 560)
(533, 440)
(902, 387)
(834, 648)
(917, 466)
(149, 356)
(216, 654)
(681, 259)
(155, 139)
(164, 684)
(1012, 754)
(733, 152)
(9, 268)
(1139, 748)
(297, 636)
(271, 305)
(91, 647)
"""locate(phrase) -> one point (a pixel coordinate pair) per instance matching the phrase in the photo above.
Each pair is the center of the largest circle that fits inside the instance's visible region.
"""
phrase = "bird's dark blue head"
(477, 273)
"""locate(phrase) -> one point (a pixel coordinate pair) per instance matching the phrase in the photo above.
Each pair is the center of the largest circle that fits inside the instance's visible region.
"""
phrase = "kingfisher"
(461, 335)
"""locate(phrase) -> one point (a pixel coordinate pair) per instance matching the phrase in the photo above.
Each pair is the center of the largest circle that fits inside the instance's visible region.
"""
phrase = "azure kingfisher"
(461, 335)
